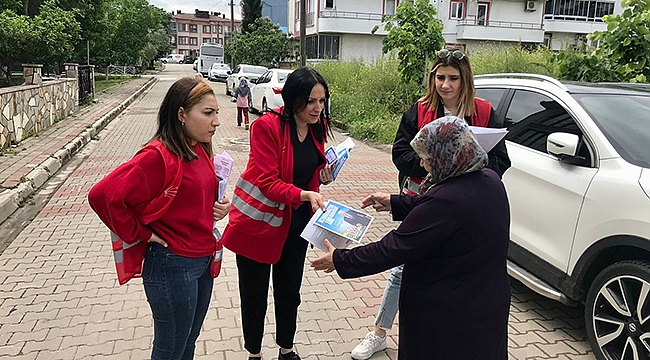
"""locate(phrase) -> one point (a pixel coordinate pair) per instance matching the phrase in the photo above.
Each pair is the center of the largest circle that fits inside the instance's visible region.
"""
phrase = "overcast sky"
(188, 7)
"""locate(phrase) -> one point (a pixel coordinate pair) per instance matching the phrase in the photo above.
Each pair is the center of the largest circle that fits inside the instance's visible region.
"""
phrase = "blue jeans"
(390, 300)
(178, 290)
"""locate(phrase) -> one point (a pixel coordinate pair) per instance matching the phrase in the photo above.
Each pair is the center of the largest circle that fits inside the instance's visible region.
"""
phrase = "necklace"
(302, 135)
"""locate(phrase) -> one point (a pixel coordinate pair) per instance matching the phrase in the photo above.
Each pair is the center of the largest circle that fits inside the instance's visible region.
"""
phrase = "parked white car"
(218, 72)
(266, 93)
(250, 72)
(579, 191)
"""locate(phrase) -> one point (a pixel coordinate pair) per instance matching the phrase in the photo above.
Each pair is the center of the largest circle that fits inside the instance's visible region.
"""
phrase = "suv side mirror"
(253, 81)
(564, 146)
(229, 72)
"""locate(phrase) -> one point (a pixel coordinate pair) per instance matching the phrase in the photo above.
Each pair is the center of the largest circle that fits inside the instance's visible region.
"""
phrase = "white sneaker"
(368, 346)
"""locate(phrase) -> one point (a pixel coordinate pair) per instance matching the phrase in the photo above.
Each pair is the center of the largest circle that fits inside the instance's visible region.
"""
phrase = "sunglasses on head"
(457, 54)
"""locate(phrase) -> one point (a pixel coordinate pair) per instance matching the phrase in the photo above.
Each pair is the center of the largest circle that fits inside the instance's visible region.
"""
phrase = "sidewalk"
(34, 152)
(59, 297)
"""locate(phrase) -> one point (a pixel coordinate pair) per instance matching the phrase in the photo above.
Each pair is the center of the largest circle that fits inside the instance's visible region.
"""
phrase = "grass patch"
(101, 84)
(368, 99)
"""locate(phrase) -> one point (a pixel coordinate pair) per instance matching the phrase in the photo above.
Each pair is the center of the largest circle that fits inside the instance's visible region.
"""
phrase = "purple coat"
(455, 293)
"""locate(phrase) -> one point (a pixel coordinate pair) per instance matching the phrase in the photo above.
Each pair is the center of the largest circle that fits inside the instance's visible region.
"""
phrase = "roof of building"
(192, 17)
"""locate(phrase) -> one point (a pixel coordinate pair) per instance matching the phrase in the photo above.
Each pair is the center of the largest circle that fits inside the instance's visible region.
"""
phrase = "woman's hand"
(316, 200)
(380, 201)
(325, 262)
(220, 208)
(156, 239)
(325, 175)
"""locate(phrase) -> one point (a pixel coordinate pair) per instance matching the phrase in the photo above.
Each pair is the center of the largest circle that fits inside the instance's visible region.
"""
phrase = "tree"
(125, 30)
(626, 43)
(56, 32)
(415, 32)
(251, 11)
(264, 45)
(16, 34)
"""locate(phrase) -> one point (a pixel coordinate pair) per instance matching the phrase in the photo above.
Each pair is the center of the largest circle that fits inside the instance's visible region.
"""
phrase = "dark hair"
(185, 93)
(295, 95)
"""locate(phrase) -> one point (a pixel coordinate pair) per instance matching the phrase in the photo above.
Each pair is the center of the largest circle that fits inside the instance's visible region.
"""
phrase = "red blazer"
(260, 213)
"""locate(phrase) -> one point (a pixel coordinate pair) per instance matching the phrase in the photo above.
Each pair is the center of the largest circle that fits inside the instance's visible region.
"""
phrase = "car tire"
(265, 107)
(617, 311)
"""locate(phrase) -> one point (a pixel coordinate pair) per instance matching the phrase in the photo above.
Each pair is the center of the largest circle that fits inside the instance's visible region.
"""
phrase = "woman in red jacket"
(161, 206)
(273, 201)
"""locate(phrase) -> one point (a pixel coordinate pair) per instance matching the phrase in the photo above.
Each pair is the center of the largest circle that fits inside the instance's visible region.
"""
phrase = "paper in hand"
(223, 164)
(488, 137)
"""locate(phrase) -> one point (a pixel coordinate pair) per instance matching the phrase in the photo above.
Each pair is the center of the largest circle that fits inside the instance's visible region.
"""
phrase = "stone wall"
(28, 109)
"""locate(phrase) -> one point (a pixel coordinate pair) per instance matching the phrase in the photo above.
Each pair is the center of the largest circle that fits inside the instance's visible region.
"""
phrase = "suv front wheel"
(617, 312)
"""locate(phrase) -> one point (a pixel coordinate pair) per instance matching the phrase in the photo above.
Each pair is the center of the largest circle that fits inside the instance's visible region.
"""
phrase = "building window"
(206, 29)
(194, 41)
(193, 28)
(389, 8)
(206, 40)
(297, 11)
(456, 10)
(329, 4)
(323, 47)
(220, 41)
(182, 40)
(547, 39)
(172, 40)
(182, 27)
(578, 10)
(173, 26)
(482, 14)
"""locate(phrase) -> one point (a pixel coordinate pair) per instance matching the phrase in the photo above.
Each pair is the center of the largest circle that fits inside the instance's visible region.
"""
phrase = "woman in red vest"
(450, 92)
(161, 206)
(273, 201)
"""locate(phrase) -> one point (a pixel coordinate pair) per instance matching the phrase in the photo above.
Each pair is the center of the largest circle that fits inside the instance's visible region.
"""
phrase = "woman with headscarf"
(242, 94)
(453, 240)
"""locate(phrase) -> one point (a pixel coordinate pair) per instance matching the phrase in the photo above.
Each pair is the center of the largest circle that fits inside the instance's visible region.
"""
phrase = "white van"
(176, 58)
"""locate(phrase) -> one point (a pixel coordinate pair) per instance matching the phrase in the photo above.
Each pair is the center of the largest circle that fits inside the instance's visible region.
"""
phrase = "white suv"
(579, 190)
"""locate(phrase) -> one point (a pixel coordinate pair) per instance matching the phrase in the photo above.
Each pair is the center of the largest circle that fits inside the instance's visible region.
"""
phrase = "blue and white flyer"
(339, 224)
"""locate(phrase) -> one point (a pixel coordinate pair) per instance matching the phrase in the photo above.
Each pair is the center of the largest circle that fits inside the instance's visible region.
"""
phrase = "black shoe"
(290, 356)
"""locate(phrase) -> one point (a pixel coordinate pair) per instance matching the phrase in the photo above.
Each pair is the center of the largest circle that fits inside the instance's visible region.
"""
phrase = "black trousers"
(253, 293)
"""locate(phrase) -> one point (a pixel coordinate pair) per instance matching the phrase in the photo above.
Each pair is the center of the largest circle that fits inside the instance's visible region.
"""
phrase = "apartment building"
(189, 31)
(340, 29)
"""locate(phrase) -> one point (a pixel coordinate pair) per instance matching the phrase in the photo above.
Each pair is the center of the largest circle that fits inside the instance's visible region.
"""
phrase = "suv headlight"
(644, 181)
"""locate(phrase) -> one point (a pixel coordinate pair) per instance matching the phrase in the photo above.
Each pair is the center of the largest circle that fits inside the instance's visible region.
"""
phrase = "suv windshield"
(624, 121)
(220, 66)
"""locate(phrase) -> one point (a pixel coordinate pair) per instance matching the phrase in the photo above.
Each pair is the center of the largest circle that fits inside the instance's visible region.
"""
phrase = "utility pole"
(303, 32)
(232, 30)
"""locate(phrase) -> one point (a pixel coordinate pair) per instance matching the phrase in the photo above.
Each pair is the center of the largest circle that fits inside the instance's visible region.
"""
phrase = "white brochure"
(339, 224)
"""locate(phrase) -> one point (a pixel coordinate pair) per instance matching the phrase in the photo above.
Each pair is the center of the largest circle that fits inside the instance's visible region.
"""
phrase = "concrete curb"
(11, 199)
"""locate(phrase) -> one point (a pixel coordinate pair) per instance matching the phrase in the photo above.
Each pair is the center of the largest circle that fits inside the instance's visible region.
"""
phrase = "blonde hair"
(467, 90)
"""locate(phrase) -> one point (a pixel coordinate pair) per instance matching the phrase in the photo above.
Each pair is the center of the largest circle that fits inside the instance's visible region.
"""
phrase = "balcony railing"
(350, 15)
(501, 24)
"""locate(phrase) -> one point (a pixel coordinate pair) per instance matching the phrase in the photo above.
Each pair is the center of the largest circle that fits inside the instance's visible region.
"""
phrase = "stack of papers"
(339, 224)
(223, 167)
(488, 138)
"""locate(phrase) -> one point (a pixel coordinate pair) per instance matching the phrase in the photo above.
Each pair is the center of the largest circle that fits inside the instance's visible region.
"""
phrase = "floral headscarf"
(450, 148)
